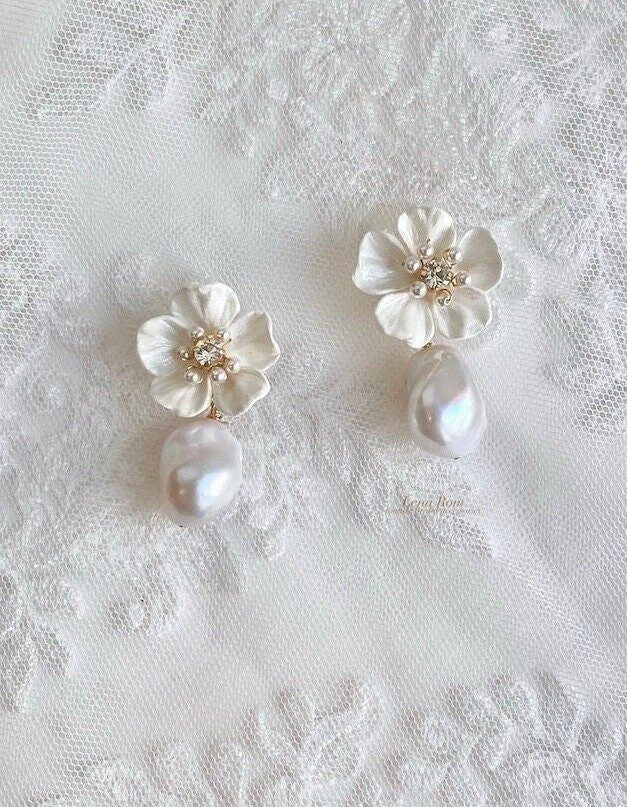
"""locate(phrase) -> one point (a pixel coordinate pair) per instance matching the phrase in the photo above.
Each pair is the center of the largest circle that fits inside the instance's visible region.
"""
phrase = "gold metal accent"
(213, 341)
(214, 413)
(459, 279)
(443, 296)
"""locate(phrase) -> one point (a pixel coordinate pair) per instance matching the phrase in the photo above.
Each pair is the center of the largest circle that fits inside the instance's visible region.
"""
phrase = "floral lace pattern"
(28, 645)
(590, 358)
(517, 740)
(294, 753)
(130, 55)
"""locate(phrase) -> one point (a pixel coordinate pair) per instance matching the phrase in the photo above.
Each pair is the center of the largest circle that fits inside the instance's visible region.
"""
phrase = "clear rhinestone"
(208, 353)
(436, 275)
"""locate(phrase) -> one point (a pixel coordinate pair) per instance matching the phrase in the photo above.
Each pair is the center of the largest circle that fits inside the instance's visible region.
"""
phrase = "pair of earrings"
(209, 360)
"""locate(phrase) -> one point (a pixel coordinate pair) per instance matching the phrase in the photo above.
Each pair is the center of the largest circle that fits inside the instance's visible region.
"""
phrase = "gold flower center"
(435, 275)
(209, 352)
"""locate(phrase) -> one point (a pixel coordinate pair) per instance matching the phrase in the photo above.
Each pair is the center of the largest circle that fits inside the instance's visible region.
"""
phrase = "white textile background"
(327, 643)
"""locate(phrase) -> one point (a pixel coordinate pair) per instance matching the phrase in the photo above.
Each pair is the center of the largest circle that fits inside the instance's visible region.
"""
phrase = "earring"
(431, 285)
(208, 360)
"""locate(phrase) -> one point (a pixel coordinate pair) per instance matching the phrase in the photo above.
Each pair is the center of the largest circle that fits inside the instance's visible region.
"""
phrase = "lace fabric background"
(328, 643)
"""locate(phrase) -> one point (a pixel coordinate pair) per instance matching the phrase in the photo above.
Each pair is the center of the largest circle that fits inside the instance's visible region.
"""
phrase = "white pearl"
(463, 278)
(218, 374)
(454, 255)
(184, 353)
(197, 333)
(419, 289)
(427, 250)
(233, 366)
(200, 472)
(193, 376)
(412, 263)
(445, 411)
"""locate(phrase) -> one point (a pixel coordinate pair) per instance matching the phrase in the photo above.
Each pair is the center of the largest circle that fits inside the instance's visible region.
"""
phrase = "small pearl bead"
(454, 255)
(197, 333)
(218, 374)
(412, 263)
(419, 289)
(463, 278)
(427, 250)
(193, 375)
(233, 366)
(222, 333)
(184, 353)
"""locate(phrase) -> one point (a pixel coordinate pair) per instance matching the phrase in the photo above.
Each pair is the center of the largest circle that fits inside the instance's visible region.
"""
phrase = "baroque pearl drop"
(200, 472)
(445, 411)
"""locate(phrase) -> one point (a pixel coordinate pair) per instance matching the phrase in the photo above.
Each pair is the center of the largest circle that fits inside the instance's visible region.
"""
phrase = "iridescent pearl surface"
(445, 411)
(200, 472)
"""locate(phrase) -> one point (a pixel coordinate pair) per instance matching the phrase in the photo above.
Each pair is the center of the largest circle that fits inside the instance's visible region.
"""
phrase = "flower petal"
(180, 396)
(157, 341)
(211, 307)
(481, 259)
(405, 317)
(252, 343)
(467, 315)
(240, 391)
(431, 223)
(380, 268)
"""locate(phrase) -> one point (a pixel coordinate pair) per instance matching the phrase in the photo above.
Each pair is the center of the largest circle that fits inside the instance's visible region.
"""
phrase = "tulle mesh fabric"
(365, 626)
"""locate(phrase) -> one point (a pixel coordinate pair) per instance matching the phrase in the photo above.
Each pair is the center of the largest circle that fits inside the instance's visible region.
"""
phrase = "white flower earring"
(431, 285)
(208, 360)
